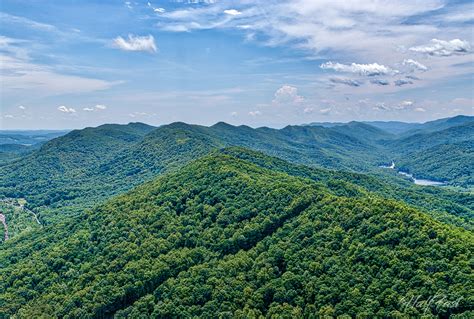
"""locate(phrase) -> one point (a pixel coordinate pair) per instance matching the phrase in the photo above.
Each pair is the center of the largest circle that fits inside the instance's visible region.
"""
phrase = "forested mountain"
(394, 127)
(441, 124)
(403, 128)
(226, 237)
(445, 155)
(87, 166)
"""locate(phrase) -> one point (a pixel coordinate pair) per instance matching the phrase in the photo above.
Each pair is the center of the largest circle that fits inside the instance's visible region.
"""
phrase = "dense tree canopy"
(227, 237)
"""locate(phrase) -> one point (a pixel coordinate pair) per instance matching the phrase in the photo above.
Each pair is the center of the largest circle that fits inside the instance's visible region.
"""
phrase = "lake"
(417, 181)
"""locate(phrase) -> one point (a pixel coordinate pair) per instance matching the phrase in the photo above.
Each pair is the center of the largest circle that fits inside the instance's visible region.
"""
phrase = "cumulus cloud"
(66, 109)
(420, 109)
(443, 48)
(346, 81)
(371, 69)
(287, 94)
(21, 107)
(100, 107)
(232, 12)
(136, 43)
(88, 109)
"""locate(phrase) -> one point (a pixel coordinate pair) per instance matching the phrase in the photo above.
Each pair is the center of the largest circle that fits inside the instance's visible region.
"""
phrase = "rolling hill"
(226, 237)
(87, 166)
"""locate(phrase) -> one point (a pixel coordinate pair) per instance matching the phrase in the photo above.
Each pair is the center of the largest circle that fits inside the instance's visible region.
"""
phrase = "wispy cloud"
(346, 81)
(371, 69)
(136, 43)
(380, 82)
(443, 48)
(414, 65)
(21, 74)
(255, 113)
(232, 12)
(98, 107)
(401, 82)
(66, 109)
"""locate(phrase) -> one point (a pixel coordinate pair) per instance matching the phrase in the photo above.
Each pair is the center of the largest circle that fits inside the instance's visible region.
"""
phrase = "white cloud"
(8, 116)
(232, 12)
(98, 107)
(381, 107)
(136, 43)
(66, 109)
(159, 10)
(11, 19)
(287, 95)
(443, 48)
(308, 110)
(255, 113)
(402, 106)
(138, 114)
(233, 114)
(21, 107)
(420, 109)
(405, 105)
(325, 111)
(415, 65)
(371, 69)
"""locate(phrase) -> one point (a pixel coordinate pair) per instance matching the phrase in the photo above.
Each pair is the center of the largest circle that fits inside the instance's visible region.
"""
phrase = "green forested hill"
(443, 162)
(225, 237)
(445, 155)
(85, 167)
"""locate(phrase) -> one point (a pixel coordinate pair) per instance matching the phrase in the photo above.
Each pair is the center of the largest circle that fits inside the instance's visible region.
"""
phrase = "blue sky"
(71, 64)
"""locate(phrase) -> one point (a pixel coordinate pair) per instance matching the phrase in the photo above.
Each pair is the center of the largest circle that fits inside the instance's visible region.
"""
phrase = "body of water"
(417, 181)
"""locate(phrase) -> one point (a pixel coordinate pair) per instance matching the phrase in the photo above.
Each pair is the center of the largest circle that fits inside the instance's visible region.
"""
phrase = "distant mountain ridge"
(398, 127)
(87, 166)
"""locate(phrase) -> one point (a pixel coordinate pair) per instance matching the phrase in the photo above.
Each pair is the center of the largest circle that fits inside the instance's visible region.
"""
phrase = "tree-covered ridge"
(442, 162)
(456, 208)
(224, 237)
(86, 167)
